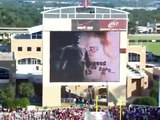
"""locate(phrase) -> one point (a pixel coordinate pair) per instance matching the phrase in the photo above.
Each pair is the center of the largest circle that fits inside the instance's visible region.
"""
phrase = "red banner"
(112, 25)
(99, 25)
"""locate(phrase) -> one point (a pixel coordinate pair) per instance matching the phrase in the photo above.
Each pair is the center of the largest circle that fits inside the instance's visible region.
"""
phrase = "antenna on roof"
(85, 3)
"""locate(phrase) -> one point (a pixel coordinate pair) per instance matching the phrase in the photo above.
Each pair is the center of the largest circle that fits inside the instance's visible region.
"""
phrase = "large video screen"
(88, 56)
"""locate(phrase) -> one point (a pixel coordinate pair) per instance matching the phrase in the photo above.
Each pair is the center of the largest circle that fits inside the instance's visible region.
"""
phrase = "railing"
(86, 15)
(67, 100)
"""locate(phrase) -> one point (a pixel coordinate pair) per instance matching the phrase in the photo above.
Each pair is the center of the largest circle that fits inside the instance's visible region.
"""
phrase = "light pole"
(159, 91)
(137, 22)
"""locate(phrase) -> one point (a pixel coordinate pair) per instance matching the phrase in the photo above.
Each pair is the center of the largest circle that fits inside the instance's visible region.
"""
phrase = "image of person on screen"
(73, 62)
(103, 50)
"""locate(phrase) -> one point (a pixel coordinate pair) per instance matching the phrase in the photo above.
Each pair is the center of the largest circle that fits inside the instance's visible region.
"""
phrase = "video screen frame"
(90, 69)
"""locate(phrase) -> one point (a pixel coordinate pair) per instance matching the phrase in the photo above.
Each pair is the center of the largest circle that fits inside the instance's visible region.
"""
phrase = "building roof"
(134, 72)
(35, 29)
(94, 12)
(13, 30)
(18, 30)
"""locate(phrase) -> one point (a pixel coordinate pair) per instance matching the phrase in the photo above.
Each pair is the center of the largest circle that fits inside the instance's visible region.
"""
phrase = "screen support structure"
(107, 93)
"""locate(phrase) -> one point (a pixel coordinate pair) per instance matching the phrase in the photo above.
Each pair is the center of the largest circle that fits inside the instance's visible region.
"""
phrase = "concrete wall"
(141, 50)
(24, 43)
(144, 81)
(138, 90)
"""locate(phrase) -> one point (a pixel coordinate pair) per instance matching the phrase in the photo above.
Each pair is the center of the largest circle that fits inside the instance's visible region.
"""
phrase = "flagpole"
(85, 3)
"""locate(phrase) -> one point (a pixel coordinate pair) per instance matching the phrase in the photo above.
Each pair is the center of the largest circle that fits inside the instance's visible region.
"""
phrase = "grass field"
(144, 37)
(153, 47)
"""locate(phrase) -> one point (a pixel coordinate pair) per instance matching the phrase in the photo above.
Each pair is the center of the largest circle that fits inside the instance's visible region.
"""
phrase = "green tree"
(15, 14)
(146, 101)
(14, 103)
(154, 91)
(10, 91)
(2, 95)
(26, 90)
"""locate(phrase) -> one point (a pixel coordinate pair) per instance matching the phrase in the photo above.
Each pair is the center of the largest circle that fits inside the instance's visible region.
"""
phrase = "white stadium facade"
(61, 20)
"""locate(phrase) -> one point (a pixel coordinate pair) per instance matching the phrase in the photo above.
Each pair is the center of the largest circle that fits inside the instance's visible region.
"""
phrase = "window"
(38, 61)
(38, 48)
(37, 35)
(19, 48)
(37, 67)
(29, 49)
(29, 61)
(34, 36)
(133, 57)
(4, 73)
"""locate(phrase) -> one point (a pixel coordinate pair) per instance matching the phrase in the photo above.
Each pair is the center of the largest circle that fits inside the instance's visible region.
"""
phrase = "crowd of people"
(79, 113)
(72, 113)
(135, 113)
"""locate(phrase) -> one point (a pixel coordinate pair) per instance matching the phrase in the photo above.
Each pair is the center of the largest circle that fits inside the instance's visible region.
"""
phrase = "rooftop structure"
(91, 12)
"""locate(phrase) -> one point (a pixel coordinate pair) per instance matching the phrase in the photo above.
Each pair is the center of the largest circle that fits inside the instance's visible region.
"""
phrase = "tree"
(26, 90)
(154, 93)
(14, 103)
(146, 101)
(2, 95)
(10, 91)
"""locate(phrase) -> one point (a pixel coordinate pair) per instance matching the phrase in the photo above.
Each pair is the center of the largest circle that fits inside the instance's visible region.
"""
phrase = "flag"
(85, 3)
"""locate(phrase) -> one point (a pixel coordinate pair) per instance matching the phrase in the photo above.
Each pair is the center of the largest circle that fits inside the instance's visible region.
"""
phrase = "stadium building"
(126, 81)
(116, 70)
(27, 49)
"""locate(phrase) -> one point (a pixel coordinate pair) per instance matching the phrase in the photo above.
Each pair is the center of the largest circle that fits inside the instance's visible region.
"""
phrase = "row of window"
(29, 61)
(37, 35)
(29, 49)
